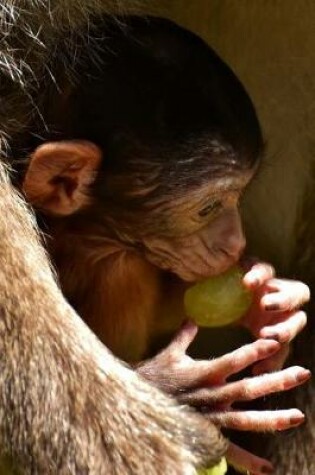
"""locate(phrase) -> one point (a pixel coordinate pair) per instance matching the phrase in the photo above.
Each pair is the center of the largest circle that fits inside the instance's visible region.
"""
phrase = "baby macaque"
(139, 188)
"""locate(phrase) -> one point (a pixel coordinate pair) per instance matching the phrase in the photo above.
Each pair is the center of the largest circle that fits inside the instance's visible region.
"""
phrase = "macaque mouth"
(198, 267)
(190, 266)
(197, 274)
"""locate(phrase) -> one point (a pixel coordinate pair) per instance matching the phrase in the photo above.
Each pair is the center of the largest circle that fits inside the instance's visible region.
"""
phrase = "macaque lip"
(194, 278)
(193, 275)
(215, 271)
(199, 277)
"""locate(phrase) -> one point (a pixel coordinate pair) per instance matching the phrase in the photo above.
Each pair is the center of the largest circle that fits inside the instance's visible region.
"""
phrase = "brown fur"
(66, 405)
(120, 297)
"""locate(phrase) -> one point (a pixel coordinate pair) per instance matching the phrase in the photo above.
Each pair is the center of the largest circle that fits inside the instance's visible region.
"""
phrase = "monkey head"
(157, 149)
(194, 232)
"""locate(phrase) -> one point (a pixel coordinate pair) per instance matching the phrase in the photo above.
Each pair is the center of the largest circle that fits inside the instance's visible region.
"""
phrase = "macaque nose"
(232, 237)
(234, 244)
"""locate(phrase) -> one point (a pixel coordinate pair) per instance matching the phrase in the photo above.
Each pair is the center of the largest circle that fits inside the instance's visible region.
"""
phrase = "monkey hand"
(275, 312)
(204, 383)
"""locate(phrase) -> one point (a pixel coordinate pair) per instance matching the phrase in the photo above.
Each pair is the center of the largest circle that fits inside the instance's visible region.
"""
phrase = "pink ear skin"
(59, 175)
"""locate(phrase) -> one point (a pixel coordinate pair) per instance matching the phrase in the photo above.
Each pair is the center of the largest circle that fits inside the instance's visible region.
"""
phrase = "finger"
(183, 338)
(245, 462)
(285, 295)
(286, 329)
(256, 387)
(274, 362)
(258, 275)
(247, 262)
(217, 370)
(247, 389)
(258, 421)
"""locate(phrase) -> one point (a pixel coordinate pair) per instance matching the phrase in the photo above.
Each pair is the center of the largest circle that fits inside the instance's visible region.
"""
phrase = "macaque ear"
(59, 175)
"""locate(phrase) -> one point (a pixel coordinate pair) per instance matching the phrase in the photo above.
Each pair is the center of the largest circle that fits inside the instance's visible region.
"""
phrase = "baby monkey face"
(207, 234)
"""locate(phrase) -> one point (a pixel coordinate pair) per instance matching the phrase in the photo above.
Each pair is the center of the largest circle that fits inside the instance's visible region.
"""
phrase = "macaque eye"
(210, 208)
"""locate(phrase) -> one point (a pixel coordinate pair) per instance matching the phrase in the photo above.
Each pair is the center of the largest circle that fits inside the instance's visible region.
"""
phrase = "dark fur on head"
(163, 89)
(165, 109)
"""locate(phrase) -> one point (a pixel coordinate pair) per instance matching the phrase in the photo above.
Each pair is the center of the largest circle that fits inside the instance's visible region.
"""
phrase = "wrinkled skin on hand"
(204, 384)
(275, 319)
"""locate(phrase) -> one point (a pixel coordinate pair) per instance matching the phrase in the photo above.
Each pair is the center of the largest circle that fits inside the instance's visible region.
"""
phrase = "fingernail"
(305, 376)
(254, 281)
(273, 345)
(272, 307)
(297, 420)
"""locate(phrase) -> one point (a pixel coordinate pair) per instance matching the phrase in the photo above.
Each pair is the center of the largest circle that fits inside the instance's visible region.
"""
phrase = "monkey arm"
(66, 405)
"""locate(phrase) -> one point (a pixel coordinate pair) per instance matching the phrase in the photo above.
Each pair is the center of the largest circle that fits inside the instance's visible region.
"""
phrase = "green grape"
(219, 469)
(219, 300)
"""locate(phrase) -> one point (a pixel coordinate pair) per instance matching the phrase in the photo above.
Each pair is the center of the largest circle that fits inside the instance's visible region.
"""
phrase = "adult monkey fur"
(118, 126)
(49, 359)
